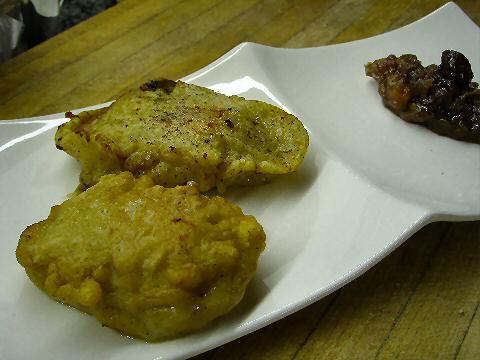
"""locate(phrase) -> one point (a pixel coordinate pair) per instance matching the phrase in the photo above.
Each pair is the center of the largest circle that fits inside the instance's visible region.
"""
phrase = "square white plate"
(369, 181)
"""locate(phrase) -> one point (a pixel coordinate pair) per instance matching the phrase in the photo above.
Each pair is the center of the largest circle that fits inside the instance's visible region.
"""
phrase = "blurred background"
(26, 23)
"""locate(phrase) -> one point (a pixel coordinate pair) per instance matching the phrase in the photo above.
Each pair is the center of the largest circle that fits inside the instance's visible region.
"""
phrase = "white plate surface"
(369, 181)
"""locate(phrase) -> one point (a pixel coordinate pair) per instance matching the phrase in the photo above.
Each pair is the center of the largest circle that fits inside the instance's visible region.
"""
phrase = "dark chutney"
(441, 97)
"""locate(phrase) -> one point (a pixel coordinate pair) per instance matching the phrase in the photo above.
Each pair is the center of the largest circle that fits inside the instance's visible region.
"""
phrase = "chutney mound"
(442, 97)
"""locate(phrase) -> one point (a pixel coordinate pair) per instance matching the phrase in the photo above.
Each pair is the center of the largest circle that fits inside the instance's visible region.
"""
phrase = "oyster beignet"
(177, 132)
(149, 261)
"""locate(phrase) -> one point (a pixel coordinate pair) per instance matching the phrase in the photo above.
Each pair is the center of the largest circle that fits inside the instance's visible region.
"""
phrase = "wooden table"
(421, 302)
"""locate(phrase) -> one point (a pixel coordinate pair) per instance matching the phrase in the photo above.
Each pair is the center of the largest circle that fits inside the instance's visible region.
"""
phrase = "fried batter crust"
(177, 132)
(148, 261)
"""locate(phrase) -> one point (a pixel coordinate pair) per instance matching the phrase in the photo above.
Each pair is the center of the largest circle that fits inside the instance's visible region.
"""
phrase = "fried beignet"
(177, 132)
(149, 261)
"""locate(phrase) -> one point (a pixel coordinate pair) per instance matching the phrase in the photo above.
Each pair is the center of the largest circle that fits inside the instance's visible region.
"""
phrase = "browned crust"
(164, 84)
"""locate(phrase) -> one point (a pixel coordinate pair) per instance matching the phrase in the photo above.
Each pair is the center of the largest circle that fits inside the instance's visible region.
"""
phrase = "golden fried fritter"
(149, 261)
(177, 132)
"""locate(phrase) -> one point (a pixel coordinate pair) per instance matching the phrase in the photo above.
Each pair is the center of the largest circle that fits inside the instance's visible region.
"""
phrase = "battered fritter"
(149, 261)
(177, 132)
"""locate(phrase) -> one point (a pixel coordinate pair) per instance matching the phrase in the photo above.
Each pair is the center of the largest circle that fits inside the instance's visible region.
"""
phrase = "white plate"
(369, 181)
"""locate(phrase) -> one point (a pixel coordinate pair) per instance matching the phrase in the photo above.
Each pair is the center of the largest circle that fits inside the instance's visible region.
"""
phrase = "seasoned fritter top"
(177, 132)
(150, 261)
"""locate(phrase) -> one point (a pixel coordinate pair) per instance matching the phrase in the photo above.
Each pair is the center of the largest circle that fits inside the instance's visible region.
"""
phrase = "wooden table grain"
(421, 302)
